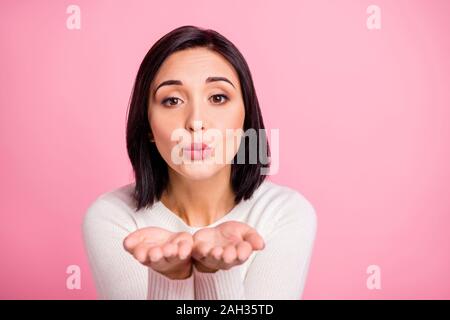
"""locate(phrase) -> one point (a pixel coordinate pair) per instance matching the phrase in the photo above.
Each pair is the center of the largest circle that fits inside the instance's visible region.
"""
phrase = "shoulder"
(283, 203)
(112, 208)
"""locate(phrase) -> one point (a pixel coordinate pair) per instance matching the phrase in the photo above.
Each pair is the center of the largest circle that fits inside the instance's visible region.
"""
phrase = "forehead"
(195, 65)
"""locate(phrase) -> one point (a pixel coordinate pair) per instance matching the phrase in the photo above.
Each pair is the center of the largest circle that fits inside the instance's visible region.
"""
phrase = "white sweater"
(282, 216)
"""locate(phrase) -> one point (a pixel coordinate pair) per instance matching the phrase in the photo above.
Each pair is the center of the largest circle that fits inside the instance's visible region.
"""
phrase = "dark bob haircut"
(150, 169)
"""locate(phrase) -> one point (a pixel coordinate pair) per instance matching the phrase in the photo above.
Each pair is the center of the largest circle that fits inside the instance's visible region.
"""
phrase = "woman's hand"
(166, 252)
(224, 246)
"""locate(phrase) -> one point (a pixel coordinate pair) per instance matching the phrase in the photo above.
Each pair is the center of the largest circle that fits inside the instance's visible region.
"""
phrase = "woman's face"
(196, 98)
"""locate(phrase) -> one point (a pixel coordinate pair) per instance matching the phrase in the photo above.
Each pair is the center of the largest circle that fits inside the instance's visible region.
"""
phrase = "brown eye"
(171, 101)
(219, 98)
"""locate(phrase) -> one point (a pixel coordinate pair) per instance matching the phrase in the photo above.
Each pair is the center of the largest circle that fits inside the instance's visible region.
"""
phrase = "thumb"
(255, 240)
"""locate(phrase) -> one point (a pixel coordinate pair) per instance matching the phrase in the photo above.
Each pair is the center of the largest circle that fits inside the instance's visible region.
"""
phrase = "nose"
(195, 125)
(196, 118)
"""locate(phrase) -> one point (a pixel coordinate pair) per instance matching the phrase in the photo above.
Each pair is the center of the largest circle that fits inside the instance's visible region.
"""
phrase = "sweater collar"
(172, 219)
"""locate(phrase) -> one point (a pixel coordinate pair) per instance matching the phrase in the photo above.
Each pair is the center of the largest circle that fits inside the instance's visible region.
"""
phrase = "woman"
(197, 224)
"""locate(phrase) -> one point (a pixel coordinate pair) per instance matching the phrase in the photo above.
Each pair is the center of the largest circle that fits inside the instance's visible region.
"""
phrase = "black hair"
(150, 169)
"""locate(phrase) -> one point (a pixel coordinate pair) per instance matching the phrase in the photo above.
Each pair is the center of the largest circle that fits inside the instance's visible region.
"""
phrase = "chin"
(198, 171)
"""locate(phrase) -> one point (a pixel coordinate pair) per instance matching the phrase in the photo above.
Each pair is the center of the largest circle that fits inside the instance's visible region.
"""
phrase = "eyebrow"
(179, 83)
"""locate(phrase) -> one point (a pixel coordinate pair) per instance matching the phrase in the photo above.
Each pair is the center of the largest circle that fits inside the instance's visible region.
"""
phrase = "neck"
(199, 202)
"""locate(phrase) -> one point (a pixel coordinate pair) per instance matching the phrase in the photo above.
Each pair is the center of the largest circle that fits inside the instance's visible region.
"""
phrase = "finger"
(255, 240)
(244, 249)
(216, 253)
(155, 255)
(170, 252)
(201, 250)
(184, 249)
(229, 254)
(130, 242)
(140, 252)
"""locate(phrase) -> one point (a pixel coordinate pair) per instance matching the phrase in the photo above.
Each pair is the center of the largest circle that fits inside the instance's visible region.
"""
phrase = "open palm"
(167, 252)
(224, 246)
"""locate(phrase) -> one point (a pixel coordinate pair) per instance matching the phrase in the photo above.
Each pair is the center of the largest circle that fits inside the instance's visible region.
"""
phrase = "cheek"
(162, 131)
(162, 125)
(232, 131)
(232, 118)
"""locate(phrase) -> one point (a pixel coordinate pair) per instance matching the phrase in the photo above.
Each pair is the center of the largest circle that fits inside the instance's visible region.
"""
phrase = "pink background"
(363, 118)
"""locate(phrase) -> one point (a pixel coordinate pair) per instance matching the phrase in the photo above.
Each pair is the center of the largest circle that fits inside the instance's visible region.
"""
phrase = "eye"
(219, 98)
(170, 101)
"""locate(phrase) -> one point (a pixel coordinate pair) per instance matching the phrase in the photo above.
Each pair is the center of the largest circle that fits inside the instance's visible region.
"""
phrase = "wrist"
(202, 268)
(179, 275)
